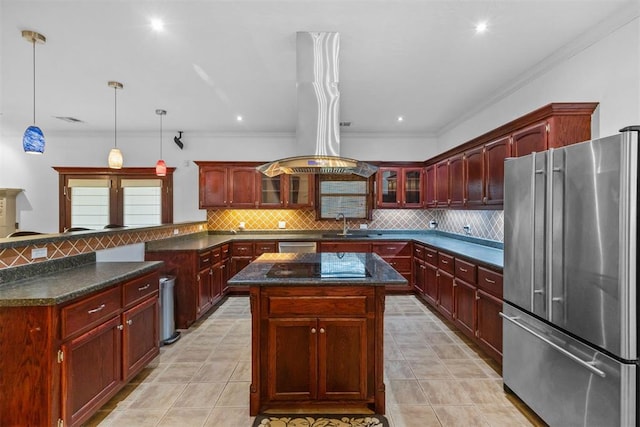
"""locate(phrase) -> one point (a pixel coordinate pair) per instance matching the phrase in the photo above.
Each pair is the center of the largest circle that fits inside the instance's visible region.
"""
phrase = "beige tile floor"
(433, 374)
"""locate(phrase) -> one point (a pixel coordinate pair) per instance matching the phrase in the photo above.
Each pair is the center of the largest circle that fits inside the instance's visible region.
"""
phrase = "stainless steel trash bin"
(168, 333)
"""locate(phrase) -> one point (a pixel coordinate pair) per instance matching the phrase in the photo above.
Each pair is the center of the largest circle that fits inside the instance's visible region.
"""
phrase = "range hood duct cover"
(318, 126)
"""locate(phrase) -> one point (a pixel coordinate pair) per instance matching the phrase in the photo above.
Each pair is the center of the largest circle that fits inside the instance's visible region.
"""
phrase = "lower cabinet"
(61, 363)
(329, 360)
(319, 347)
(468, 295)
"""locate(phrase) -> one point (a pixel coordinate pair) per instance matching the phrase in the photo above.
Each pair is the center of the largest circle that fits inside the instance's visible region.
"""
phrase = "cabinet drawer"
(242, 249)
(392, 248)
(225, 251)
(465, 271)
(91, 311)
(317, 306)
(445, 263)
(431, 256)
(204, 259)
(344, 247)
(490, 281)
(216, 256)
(139, 289)
(264, 247)
(401, 265)
(418, 251)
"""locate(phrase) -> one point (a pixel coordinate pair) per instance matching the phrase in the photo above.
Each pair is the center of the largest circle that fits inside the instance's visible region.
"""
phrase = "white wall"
(607, 72)
(38, 204)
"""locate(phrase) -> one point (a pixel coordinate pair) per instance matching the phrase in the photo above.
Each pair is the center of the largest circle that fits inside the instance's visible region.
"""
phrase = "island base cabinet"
(91, 370)
(315, 347)
(317, 359)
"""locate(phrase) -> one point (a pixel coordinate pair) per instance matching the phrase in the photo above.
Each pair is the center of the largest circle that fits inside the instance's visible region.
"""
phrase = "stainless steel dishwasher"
(297, 247)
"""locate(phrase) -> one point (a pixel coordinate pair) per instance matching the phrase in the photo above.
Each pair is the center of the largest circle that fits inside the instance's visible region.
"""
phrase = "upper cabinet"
(472, 174)
(239, 185)
(400, 187)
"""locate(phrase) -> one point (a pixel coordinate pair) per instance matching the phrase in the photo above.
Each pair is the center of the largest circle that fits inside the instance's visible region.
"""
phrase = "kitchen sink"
(348, 236)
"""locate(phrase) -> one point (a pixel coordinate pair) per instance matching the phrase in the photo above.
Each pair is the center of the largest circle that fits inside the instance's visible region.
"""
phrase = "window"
(94, 198)
(347, 194)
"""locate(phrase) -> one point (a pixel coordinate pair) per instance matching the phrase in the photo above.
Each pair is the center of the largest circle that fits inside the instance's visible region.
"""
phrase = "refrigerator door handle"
(587, 365)
(534, 291)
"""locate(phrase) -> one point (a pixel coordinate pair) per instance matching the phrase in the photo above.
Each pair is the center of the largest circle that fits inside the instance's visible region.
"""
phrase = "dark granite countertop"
(318, 269)
(65, 285)
(487, 252)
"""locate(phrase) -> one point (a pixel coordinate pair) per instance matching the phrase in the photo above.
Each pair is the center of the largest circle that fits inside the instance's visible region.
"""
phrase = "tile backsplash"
(483, 224)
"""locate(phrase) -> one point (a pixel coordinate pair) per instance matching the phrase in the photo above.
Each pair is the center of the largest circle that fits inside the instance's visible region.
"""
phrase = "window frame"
(115, 177)
(368, 196)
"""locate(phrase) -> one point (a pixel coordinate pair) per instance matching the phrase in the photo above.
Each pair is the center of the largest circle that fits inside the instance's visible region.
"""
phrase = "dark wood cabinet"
(299, 191)
(457, 197)
(271, 194)
(400, 187)
(532, 138)
(61, 363)
(489, 327)
(464, 296)
(243, 187)
(442, 184)
(330, 246)
(418, 275)
(445, 294)
(495, 154)
(430, 187)
(474, 163)
(398, 255)
(317, 346)
(213, 187)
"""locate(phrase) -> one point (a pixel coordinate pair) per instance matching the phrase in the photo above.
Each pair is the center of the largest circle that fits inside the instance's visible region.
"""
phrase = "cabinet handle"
(464, 270)
(222, 266)
(210, 272)
(205, 260)
(455, 284)
(322, 330)
(129, 322)
(444, 261)
(490, 281)
(477, 296)
(95, 310)
(418, 251)
(120, 327)
(390, 247)
(313, 330)
(242, 249)
(142, 288)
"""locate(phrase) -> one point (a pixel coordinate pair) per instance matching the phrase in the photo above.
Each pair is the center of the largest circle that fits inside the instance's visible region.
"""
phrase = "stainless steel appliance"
(570, 330)
(296, 247)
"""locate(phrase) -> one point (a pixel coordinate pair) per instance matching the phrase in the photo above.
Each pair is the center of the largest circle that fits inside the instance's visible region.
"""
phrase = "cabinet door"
(91, 371)
(243, 186)
(217, 281)
(205, 297)
(528, 140)
(431, 283)
(300, 190)
(140, 337)
(430, 186)
(464, 312)
(456, 181)
(345, 247)
(489, 327)
(271, 191)
(474, 176)
(412, 183)
(418, 275)
(342, 359)
(213, 187)
(442, 184)
(495, 154)
(238, 263)
(389, 187)
(292, 352)
(445, 293)
(226, 275)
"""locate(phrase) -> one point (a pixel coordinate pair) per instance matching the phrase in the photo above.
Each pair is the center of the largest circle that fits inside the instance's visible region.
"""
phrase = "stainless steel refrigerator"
(570, 329)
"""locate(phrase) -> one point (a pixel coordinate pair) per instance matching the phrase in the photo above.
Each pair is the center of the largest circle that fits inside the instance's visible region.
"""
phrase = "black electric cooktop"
(349, 267)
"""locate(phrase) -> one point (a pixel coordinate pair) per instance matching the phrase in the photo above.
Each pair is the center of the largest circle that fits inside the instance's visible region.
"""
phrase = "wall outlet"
(282, 224)
(364, 226)
(38, 253)
(175, 231)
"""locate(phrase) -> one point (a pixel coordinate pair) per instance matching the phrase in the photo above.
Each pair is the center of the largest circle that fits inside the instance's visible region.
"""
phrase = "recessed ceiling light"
(481, 27)
(400, 119)
(157, 24)
(239, 118)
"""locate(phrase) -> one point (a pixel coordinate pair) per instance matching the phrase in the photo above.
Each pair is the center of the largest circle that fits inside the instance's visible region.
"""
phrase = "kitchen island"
(317, 330)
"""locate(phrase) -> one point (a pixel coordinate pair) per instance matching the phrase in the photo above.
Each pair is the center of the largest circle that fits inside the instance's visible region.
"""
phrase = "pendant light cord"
(115, 116)
(34, 81)
(161, 136)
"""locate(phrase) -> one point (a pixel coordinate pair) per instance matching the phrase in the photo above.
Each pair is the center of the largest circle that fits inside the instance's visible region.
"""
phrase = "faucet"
(345, 231)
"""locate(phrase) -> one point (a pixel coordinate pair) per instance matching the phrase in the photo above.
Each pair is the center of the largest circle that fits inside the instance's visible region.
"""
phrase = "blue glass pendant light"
(33, 139)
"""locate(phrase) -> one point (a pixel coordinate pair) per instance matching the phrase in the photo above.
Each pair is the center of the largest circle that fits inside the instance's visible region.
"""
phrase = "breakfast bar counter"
(317, 330)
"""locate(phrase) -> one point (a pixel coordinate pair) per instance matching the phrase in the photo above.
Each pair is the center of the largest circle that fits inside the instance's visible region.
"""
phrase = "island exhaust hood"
(318, 127)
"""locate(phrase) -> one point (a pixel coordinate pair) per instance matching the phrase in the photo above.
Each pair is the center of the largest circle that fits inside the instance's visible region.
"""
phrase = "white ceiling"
(217, 59)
